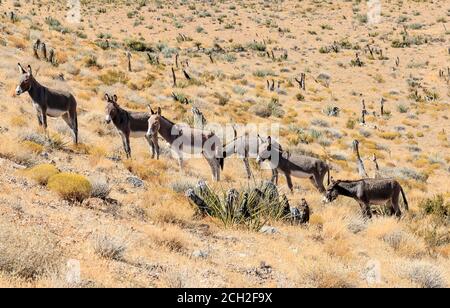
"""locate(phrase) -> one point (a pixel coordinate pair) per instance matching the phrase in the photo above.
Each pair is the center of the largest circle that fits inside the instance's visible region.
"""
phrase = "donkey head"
(154, 123)
(112, 108)
(265, 150)
(26, 78)
(332, 192)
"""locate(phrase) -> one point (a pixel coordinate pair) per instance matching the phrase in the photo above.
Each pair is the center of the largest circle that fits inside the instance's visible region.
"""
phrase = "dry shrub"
(33, 147)
(172, 239)
(147, 170)
(424, 274)
(109, 248)
(404, 243)
(100, 187)
(16, 152)
(28, 252)
(325, 273)
(42, 173)
(70, 186)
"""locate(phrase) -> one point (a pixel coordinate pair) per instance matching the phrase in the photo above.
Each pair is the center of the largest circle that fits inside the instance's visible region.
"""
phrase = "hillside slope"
(145, 233)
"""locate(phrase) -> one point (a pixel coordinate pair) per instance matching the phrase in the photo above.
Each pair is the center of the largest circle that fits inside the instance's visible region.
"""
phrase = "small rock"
(200, 254)
(135, 181)
(268, 230)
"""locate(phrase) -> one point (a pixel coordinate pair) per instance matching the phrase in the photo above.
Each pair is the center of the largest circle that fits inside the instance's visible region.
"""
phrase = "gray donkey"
(49, 102)
(299, 166)
(367, 192)
(187, 140)
(129, 124)
(246, 147)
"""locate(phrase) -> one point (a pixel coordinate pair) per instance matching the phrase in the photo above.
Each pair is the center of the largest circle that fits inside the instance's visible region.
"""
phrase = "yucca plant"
(249, 207)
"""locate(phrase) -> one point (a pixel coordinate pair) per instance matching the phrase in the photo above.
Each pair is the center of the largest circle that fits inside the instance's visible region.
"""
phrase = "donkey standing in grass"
(367, 192)
(184, 139)
(246, 147)
(49, 102)
(299, 166)
(129, 124)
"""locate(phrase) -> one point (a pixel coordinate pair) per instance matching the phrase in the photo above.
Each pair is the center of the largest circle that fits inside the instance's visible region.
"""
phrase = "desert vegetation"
(337, 79)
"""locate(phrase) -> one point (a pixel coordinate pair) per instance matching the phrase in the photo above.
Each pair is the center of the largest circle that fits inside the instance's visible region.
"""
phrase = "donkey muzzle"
(19, 91)
(108, 119)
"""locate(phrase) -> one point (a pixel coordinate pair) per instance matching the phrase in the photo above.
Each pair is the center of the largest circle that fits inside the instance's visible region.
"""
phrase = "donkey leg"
(247, 168)
(365, 208)
(71, 123)
(126, 145)
(215, 168)
(319, 183)
(395, 205)
(74, 121)
(44, 123)
(152, 146)
(39, 117)
(289, 182)
(127, 142)
(274, 178)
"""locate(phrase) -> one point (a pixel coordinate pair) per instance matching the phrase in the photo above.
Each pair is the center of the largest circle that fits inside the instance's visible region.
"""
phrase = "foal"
(129, 124)
(49, 102)
(187, 140)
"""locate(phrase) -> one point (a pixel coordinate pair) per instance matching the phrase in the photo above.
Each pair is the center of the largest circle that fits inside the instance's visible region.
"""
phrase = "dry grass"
(411, 143)
(28, 252)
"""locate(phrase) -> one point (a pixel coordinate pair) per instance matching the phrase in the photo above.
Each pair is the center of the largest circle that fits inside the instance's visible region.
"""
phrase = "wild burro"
(246, 147)
(299, 166)
(129, 124)
(187, 140)
(49, 102)
(367, 192)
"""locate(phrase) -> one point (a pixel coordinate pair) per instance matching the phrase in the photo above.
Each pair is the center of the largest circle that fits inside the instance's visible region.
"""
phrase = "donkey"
(49, 102)
(184, 139)
(129, 124)
(299, 166)
(246, 147)
(367, 192)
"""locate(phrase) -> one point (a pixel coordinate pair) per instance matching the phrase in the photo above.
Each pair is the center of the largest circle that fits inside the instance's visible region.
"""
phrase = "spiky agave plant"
(249, 207)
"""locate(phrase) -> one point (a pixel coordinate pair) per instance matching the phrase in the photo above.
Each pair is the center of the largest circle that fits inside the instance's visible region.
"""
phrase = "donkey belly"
(300, 174)
(137, 134)
(55, 113)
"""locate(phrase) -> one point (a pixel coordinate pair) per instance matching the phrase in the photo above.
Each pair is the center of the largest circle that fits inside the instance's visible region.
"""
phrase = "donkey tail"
(404, 198)
(328, 172)
(221, 162)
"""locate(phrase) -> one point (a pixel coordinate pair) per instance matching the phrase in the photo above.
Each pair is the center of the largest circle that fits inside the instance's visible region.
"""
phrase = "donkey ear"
(269, 140)
(115, 98)
(150, 109)
(159, 112)
(30, 72)
(21, 70)
(107, 97)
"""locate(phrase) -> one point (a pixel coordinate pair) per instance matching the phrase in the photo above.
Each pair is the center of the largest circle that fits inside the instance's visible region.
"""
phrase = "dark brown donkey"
(129, 124)
(49, 102)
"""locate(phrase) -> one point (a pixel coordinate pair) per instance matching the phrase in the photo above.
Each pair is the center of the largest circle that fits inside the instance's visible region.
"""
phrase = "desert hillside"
(128, 223)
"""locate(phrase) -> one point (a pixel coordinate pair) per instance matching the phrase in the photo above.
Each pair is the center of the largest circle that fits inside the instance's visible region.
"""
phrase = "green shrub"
(70, 186)
(137, 45)
(250, 207)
